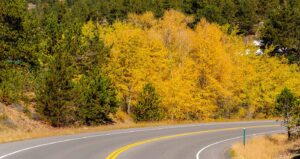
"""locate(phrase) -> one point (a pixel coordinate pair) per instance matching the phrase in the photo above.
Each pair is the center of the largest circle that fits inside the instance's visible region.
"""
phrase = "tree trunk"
(129, 105)
(289, 133)
(128, 100)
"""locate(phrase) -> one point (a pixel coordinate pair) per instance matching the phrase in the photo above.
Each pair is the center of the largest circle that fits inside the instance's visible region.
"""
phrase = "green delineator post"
(244, 136)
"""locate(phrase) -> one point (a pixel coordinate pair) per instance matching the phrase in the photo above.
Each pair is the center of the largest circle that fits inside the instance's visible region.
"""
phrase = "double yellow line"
(119, 151)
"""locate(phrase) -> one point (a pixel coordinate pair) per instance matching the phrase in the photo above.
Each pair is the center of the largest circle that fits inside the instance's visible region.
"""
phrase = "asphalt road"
(196, 141)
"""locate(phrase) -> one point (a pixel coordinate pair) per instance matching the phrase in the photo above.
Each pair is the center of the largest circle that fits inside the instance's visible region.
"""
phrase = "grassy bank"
(266, 147)
(17, 125)
(9, 135)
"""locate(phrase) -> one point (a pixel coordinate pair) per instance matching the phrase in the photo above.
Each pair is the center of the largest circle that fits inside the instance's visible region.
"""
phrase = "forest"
(78, 61)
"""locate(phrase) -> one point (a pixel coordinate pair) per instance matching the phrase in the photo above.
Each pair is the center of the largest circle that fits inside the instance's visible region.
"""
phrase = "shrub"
(122, 116)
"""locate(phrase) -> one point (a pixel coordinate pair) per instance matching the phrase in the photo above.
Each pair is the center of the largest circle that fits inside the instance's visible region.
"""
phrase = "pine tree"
(148, 107)
(14, 59)
(282, 29)
(98, 99)
(287, 106)
(55, 91)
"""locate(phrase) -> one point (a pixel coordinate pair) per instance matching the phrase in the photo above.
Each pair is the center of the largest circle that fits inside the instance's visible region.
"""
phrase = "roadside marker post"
(244, 137)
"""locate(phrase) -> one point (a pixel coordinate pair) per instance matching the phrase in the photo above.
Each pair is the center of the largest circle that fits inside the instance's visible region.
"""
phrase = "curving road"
(194, 141)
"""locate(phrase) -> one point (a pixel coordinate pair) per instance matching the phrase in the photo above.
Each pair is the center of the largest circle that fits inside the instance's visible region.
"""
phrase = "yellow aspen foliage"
(267, 78)
(199, 73)
(146, 20)
(88, 30)
(134, 60)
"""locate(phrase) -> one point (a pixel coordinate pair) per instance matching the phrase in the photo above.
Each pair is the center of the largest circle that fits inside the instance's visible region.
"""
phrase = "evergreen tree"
(11, 18)
(14, 59)
(282, 29)
(246, 16)
(148, 107)
(97, 99)
(287, 106)
(55, 91)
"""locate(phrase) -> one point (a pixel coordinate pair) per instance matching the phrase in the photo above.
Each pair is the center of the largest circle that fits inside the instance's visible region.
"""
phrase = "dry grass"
(21, 126)
(9, 135)
(265, 147)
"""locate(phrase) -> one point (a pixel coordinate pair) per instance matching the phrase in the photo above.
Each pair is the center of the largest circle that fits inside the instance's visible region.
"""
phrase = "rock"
(18, 107)
(35, 116)
(31, 6)
(8, 123)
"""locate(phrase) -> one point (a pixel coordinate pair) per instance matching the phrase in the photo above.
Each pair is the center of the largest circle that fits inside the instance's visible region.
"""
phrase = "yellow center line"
(119, 151)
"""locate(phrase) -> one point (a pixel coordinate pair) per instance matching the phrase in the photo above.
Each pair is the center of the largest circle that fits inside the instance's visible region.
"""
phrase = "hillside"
(84, 61)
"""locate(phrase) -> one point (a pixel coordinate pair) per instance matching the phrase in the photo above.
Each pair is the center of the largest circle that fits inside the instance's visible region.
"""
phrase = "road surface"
(194, 141)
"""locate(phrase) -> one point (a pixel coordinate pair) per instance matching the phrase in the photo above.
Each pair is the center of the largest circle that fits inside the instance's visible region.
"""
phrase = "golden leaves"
(196, 71)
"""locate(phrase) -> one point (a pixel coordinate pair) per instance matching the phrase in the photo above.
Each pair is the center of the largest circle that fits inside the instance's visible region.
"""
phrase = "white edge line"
(127, 132)
(213, 144)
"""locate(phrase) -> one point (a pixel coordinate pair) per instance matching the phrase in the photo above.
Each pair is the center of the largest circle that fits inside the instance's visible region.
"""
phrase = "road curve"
(193, 141)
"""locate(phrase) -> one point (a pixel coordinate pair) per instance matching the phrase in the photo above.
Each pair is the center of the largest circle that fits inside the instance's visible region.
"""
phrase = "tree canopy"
(79, 60)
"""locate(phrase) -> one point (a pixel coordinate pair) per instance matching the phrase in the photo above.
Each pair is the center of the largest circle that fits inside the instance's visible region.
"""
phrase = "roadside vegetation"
(18, 126)
(78, 63)
(276, 146)
(268, 147)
